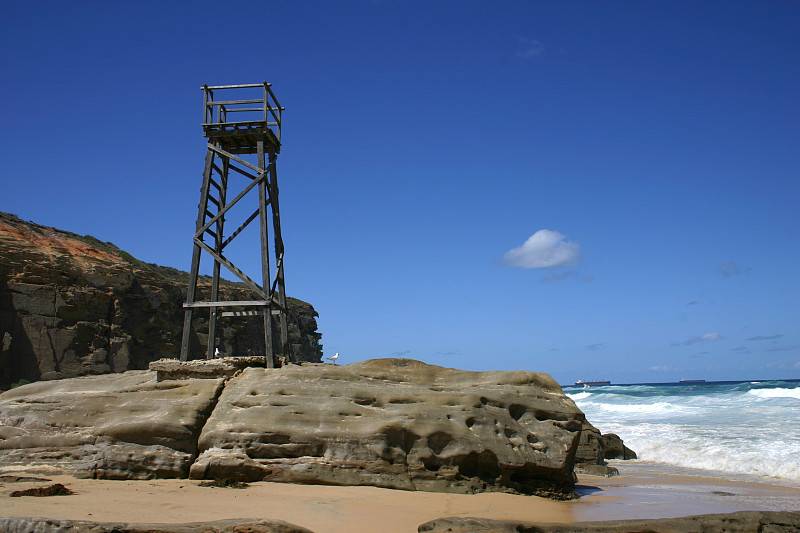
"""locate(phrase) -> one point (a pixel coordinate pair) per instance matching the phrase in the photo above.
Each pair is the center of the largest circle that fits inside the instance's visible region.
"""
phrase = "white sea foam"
(578, 396)
(776, 393)
(633, 409)
(718, 428)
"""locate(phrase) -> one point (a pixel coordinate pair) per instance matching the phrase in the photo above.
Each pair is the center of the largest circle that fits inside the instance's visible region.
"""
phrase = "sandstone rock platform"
(113, 426)
(394, 423)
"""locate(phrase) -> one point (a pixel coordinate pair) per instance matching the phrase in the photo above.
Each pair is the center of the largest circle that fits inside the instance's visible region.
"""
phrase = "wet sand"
(328, 509)
(644, 491)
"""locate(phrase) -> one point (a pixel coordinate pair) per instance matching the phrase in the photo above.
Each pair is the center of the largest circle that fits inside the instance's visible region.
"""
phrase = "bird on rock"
(334, 358)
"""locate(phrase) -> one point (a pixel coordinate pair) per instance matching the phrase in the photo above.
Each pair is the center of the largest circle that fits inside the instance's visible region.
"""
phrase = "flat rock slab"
(394, 423)
(115, 426)
(44, 525)
(741, 522)
(224, 367)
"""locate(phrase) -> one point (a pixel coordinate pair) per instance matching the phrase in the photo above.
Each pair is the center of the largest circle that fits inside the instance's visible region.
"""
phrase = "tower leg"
(276, 230)
(263, 201)
(212, 319)
(192, 289)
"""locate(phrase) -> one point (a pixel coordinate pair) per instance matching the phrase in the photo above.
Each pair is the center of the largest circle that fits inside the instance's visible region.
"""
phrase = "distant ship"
(580, 382)
(692, 381)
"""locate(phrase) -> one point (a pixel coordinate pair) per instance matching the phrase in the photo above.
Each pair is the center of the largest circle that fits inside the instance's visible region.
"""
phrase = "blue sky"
(589, 189)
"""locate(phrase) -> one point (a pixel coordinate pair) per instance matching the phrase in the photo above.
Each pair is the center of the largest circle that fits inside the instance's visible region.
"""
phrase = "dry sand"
(327, 509)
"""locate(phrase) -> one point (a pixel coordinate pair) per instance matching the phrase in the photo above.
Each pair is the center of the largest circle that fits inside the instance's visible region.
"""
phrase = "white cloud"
(544, 249)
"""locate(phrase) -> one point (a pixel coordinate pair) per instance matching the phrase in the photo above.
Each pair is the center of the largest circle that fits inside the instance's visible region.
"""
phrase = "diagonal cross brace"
(230, 204)
(240, 229)
(233, 268)
(229, 155)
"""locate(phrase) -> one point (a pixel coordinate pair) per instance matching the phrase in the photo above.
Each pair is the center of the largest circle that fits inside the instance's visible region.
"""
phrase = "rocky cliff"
(71, 305)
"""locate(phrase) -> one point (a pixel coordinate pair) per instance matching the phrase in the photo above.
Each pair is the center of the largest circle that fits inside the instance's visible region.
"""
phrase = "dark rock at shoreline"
(591, 450)
(46, 525)
(741, 522)
(71, 305)
(595, 448)
(615, 448)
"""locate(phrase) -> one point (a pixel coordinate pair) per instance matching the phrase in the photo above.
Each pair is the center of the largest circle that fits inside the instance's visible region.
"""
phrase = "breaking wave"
(742, 428)
(776, 393)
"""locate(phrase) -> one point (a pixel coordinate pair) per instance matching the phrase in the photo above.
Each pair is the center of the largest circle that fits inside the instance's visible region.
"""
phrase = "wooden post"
(276, 229)
(212, 318)
(263, 202)
(191, 292)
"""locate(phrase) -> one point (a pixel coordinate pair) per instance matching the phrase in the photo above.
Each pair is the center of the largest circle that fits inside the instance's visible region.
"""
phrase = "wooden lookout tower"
(244, 136)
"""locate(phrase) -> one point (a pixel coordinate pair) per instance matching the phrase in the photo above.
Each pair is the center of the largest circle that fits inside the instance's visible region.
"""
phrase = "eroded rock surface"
(394, 423)
(221, 367)
(117, 426)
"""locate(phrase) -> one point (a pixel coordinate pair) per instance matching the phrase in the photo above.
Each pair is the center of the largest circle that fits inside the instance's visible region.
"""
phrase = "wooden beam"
(241, 313)
(247, 85)
(239, 160)
(242, 172)
(233, 303)
(234, 269)
(225, 209)
(234, 102)
(240, 229)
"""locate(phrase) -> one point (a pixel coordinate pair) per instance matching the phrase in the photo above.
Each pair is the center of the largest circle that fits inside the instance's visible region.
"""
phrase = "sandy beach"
(329, 509)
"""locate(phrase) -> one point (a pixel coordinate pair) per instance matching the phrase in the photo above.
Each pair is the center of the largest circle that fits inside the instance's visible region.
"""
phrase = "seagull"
(216, 352)
(334, 358)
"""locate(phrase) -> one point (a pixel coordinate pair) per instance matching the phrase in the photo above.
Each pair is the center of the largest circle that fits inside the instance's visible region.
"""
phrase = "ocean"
(743, 430)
